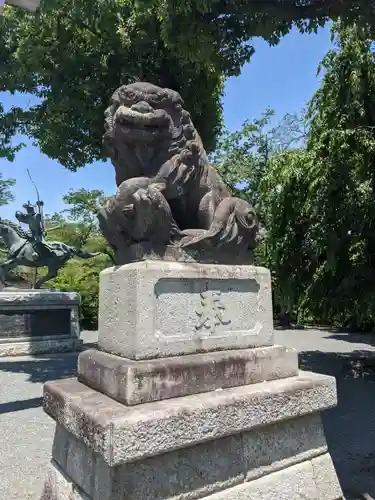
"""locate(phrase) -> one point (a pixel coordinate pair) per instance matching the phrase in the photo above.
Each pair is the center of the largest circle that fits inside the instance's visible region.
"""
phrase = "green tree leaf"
(72, 55)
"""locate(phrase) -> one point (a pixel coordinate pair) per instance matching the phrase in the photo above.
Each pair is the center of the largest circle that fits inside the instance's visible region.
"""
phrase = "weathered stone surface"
(33, 298)
(124, 434)
(198, 471)
(146, 481)
(40, 346)
(156, 309)
(59, 487)
(38, 321)
(282, 445)
(294, 483)
(184, 474)
(75, 328)
(325, 478)
(85, 468)
(168, 191)
(134, 382)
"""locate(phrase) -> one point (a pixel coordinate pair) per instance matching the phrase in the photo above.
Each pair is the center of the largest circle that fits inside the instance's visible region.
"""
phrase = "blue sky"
(281, 77)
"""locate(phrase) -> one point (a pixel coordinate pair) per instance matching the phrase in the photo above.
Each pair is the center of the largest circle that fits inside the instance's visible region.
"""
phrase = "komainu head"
(145, 126)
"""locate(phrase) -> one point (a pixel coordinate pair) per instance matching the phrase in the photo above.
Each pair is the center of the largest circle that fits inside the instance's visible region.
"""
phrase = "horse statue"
(24, 250)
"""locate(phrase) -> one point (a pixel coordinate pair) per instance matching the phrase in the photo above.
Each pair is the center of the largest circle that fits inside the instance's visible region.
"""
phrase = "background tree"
(6, 196)
(258, 163)
(221, 31)
(243, 156)
(342, 181)
(8, 129)
(317, 200)
(320, 202)
(72, 55)
(284, 194)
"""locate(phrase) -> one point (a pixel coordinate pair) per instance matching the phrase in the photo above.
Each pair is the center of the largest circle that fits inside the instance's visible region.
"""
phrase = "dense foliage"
(341, 235)
(6, 195)
(317, 201)
(256, 163)
(220, 31)
(72, 55)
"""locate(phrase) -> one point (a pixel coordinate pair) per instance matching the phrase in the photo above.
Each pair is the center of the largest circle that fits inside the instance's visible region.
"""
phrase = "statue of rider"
(35, 222)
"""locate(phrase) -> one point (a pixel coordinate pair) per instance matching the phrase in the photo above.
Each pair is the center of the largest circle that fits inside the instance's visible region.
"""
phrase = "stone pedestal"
(38, 321)
(188, 398)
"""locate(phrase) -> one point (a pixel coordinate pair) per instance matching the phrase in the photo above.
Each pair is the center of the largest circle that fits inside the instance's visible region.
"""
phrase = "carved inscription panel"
(201, 308)
(19, 323)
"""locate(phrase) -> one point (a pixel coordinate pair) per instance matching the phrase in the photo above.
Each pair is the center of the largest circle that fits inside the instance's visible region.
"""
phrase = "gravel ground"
(26, 432)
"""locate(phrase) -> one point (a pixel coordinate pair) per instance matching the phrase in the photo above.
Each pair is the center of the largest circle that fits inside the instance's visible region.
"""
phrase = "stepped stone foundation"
(188, 397)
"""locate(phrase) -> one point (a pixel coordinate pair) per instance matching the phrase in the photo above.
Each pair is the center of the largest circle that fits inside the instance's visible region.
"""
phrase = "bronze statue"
(34, 220)
(31, 249)
(159, 158)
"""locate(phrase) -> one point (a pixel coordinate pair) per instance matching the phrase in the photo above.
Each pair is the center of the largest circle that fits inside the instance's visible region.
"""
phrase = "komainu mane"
(168, 193)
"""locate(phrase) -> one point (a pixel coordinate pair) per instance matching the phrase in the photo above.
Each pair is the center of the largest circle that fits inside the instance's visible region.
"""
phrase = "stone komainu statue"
(168, 193)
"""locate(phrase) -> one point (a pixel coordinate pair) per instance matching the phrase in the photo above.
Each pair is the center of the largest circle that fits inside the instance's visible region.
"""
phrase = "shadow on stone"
(42, 369)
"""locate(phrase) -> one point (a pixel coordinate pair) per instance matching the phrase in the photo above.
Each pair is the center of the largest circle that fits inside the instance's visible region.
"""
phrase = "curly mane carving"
(168, 193)
(147, 126)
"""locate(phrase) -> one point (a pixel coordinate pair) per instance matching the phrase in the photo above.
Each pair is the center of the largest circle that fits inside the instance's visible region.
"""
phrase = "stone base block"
(154, 309)
(135, 382)
(38, 321)
(145, 251)
(287, 460)
(42, 346)
(123, 434)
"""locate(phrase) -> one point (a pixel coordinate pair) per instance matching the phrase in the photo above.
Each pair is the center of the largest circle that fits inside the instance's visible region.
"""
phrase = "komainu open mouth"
(136, 120)
(138, 125)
